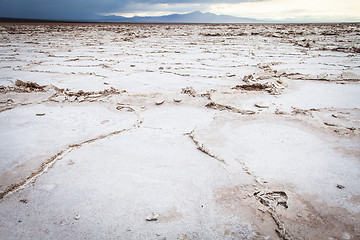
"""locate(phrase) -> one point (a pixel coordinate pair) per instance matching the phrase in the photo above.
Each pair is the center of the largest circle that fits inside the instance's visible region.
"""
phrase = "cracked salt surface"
(209, 131)
(31, 139)
(144, 171)
(288, 155)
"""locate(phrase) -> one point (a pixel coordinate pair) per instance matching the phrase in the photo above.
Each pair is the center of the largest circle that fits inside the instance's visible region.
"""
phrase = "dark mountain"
(194, 17)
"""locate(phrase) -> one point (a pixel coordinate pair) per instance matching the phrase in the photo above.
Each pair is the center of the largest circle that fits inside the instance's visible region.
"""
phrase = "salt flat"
(116, 131)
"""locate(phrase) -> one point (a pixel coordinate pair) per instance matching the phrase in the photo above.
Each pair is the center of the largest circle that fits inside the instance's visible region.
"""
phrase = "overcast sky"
(308, 10)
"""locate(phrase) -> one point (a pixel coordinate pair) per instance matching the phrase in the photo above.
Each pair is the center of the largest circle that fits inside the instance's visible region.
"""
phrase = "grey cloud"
(88, 9)
(49, 9)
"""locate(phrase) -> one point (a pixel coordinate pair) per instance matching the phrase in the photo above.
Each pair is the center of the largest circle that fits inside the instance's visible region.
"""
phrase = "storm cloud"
(299, 10)
(91, 9)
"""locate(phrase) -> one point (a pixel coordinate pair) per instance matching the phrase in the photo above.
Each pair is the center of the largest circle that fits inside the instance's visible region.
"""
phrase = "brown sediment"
(221, 107)
(32, 86)
(252, 87)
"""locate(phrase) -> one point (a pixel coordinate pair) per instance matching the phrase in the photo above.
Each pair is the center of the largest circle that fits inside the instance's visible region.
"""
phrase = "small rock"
(40, 114)
(77, 217)
(24, 201)
(261, 105)
(159, 102)
(132, 65)
(339, 186)
(106, 83)
(152, 217)
(230, 75)
(177, 100)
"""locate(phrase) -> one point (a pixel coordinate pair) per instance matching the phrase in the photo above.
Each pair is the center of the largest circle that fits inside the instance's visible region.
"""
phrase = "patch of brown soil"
(252, 87)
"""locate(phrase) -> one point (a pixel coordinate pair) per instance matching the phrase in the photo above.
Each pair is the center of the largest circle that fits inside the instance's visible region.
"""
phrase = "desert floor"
(115, 131)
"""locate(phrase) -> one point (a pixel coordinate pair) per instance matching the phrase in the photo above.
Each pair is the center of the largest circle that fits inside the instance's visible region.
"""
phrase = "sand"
(115, 131)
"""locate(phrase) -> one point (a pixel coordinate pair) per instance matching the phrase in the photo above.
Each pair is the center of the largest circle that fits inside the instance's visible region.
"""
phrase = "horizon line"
(36, 20)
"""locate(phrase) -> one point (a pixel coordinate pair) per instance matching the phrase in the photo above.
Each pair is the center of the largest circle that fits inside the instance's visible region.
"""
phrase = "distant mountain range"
(194, 17)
